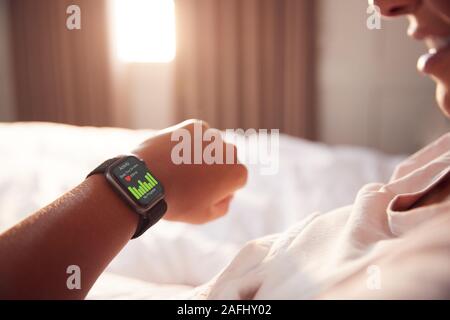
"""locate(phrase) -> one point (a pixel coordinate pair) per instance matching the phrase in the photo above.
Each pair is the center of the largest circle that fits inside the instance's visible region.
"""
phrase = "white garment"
(377, 248)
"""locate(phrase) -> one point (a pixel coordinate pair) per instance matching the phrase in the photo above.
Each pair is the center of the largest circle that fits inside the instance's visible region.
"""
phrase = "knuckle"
(191, 123)
(205, 125)
(242, 173)
(215, 132)
(231, 147)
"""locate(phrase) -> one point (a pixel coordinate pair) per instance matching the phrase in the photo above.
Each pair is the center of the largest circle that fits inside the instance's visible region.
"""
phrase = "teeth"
(435, 44)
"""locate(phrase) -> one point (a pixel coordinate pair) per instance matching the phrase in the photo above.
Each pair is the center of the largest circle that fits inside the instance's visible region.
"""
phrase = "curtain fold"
(61, 75)
(247, 64)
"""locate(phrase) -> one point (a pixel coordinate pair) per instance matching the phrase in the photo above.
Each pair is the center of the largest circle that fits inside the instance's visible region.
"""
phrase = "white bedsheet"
(40, 161)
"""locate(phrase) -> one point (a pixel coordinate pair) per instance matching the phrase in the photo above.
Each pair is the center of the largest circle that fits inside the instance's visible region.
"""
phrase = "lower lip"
(428, 63)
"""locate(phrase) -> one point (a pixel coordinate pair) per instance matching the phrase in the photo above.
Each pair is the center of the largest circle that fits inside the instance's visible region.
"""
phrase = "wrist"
(110, 209)
(158, 165)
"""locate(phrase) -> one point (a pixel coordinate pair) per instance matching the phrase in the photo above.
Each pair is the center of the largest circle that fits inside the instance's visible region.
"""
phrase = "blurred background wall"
(308, 67)
(369, 92)
(7, 108)
(247, 64)
(61, 75)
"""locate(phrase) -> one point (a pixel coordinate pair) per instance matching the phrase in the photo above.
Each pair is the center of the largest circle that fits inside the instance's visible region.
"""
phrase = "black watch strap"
(102, 168)
(152, 216)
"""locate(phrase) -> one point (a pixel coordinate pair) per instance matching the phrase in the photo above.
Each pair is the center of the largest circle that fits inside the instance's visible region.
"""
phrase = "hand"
(195, 193)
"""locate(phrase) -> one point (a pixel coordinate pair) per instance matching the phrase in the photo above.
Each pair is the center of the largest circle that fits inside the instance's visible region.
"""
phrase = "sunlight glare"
(144, 30)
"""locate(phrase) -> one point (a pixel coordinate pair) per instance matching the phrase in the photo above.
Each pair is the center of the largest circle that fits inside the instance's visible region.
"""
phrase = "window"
(144, 30)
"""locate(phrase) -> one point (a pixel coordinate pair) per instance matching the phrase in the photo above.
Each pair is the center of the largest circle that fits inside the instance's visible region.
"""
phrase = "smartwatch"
(137, 186)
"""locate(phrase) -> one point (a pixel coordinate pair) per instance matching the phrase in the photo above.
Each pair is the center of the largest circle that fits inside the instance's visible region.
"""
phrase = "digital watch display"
(136, 181)
(138, 186)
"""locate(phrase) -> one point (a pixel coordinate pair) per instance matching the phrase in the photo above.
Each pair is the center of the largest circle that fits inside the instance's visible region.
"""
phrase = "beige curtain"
(61, 75)
(246, 63)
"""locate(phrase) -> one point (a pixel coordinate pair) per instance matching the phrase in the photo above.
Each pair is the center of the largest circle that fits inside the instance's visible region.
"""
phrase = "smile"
(436, 44)
(438, 51)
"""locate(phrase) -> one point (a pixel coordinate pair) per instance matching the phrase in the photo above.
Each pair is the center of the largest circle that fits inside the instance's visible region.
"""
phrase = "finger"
(241, 175)
(191, 123)
(220, 208)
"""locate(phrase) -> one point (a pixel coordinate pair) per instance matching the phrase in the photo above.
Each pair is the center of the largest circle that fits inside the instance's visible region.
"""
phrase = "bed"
(174, 257)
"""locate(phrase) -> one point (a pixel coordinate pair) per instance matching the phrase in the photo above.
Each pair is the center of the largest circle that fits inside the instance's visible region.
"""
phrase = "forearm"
(89, 225)
(86, 227)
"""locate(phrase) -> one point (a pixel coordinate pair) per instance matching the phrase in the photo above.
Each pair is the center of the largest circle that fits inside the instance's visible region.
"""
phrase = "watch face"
(137, 181)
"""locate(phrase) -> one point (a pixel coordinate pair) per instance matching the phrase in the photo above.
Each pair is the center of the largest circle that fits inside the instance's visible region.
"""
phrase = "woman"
(397, 232)
(394, 242)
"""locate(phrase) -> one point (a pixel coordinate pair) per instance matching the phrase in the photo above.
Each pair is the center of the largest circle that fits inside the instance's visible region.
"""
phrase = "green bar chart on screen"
(143, 188)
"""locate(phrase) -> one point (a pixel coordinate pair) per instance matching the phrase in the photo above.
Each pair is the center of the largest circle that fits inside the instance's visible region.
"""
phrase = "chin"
(443, 99)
